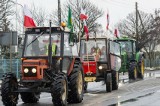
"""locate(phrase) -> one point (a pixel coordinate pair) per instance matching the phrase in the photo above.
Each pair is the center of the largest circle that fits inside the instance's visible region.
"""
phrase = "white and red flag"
(86, 30)
(116, 33)
(28, 20)
(83, 16)
(107, 17)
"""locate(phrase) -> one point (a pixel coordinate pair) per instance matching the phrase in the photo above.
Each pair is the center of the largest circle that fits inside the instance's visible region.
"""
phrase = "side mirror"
(137, 49)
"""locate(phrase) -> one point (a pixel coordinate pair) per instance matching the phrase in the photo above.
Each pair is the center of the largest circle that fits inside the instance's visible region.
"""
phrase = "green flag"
(69, 25)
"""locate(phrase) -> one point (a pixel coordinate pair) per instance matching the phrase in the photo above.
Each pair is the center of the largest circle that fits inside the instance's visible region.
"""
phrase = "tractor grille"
(88, 58)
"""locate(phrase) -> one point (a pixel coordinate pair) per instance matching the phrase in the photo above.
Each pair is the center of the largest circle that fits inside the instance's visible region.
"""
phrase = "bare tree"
(39, 15)
(128, 27)
(91, 10)
(5, 12)
(148, 31)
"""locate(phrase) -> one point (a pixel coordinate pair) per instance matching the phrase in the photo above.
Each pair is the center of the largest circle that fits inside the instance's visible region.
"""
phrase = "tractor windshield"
(37, 44)
(126, 46)
(96, 48)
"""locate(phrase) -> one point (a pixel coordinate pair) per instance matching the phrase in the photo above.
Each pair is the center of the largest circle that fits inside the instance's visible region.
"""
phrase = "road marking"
(90, 94)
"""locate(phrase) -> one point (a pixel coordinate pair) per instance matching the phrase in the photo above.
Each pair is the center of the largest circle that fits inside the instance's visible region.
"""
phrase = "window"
(37, 45)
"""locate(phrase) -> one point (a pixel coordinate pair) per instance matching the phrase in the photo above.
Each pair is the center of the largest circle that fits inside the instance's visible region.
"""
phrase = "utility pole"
(137, 38)
(59, 12)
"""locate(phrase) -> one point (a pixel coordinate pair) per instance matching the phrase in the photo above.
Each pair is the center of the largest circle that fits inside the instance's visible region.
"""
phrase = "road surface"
(139, 93)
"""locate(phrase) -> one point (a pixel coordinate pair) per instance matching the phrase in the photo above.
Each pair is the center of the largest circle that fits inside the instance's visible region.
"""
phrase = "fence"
(7, 65)
(154, 63)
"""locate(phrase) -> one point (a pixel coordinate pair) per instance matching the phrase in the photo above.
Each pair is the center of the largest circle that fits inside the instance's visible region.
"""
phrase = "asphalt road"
(138, 93)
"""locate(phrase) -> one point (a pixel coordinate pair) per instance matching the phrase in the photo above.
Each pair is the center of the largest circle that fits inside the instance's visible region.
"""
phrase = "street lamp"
(59, 12)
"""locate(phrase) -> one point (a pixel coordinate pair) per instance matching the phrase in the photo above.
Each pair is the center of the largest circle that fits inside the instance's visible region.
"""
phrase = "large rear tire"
(115, 80)
(108, 81)
(76, 85)
(9, 85)
(59, 90)
(30, 97)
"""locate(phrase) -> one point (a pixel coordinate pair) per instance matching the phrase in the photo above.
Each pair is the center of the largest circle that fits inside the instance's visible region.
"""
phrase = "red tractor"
(101, 61)
(48, 65)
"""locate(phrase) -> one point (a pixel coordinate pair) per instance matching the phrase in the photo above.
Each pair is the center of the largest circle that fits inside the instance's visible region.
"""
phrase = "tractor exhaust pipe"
(50, 47)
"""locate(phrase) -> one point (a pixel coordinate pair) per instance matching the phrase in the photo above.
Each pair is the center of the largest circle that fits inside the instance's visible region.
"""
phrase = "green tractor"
(132, 58)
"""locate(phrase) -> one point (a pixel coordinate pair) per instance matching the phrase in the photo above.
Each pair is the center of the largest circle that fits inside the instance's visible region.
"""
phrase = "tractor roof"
(125, 39)
(93, 38)
(44, 29)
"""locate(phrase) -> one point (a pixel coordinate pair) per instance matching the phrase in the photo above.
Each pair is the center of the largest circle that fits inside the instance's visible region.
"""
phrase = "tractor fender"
(139, 56)
(75, 61)
(9, 75)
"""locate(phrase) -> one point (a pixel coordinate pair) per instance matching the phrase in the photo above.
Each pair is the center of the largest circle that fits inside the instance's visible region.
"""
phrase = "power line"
(114, 3)
(124, 3)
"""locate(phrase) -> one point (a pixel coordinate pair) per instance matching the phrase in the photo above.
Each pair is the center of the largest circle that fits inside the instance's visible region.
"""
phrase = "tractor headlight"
(34, 70)
(100, 67)
(26, 70)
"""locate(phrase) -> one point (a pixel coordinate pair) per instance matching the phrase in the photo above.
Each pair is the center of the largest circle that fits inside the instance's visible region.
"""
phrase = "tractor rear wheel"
(108, 81)
(85, 86)
(30, 97)
(59, 90)
(9, 85)
(115, 80)
(132, 72)
(76, 85)
(141, 69)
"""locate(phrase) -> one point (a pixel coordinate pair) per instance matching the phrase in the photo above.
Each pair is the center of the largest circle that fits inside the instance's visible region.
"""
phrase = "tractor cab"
(128, 47)
(37, 41)
(94, 48)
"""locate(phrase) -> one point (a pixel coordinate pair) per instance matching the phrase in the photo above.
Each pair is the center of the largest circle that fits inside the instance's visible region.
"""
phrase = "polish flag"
(83, 16)
(107, 17)
(86, 30)
(28, 20)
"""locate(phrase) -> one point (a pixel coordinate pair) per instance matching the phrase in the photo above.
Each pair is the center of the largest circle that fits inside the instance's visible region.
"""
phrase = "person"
(54, 47)
(93, 51)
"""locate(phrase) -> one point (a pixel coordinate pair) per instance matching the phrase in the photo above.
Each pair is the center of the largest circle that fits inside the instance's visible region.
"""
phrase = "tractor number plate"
(90, 79)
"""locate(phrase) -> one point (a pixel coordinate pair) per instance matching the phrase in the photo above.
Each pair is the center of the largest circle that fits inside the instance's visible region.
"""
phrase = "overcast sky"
(118, 9)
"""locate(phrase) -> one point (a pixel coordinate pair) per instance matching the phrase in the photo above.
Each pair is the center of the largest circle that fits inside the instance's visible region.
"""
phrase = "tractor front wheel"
(9, 85)
(85, 86)
(59, 91)
(108, 81)
(30, 97)
(115, 80)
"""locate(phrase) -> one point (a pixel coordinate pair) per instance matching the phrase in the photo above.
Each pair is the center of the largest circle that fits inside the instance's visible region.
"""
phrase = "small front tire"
(30, 97)
(59, 90)
(108, 81)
